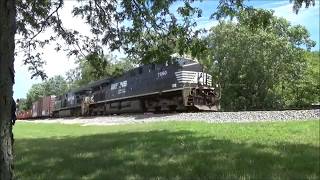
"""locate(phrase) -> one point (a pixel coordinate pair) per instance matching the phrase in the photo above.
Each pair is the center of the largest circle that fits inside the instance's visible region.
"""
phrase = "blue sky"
(58, 63)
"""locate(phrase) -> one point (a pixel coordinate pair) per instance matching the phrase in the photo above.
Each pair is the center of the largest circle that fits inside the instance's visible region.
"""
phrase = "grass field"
(168, 150)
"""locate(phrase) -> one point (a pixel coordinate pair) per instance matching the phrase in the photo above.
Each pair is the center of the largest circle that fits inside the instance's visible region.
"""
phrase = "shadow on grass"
(161, 155)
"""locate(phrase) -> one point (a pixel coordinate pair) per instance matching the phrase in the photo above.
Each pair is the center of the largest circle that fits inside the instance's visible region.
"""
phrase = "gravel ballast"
(210, 117)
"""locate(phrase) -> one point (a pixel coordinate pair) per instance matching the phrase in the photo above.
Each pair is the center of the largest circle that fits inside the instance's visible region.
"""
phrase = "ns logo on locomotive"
(180, 85)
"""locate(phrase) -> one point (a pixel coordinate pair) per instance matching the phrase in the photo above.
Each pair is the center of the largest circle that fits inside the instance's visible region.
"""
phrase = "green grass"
(168, 150)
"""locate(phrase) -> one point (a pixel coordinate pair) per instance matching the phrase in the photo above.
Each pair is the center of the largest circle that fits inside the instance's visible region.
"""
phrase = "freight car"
(41, 108)
(24, 114)
(179, 85)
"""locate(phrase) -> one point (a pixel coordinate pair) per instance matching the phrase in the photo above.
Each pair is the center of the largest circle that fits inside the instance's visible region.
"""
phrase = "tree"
(260, 61)
(35, 92)
(22, 105)
(106, 19)
(56, 85)
(230, 8)
(7, 32)
(306, 90)
(97, 68)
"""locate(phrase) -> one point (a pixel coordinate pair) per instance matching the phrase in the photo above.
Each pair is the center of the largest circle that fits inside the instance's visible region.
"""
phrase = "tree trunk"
(7, 32)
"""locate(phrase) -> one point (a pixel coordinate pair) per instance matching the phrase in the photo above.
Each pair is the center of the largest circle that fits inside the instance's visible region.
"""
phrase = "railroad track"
(210, 117)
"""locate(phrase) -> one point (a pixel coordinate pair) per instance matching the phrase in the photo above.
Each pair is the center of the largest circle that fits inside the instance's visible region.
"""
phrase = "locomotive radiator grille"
(194, 77)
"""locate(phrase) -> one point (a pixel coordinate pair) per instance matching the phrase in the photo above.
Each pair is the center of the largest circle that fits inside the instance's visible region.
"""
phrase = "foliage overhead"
(145, 29)
(128, 24)
(231, 8)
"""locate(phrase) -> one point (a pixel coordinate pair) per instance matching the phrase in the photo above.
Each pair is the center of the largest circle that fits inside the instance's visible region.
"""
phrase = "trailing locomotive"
(177, 86)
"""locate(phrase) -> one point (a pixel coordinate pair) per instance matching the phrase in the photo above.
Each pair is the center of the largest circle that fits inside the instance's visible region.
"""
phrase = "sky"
(58, 63)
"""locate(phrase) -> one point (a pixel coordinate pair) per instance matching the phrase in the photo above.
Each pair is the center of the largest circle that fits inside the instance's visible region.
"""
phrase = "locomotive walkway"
(210, 117)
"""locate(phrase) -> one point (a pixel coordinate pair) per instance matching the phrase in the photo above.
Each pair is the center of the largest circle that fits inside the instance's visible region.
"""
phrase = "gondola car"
(179, 85)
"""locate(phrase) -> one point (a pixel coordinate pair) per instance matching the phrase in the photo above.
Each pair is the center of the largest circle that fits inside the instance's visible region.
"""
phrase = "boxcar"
(43, 107)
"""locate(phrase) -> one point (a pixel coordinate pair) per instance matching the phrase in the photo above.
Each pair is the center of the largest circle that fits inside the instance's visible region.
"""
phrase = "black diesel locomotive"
(177, 86)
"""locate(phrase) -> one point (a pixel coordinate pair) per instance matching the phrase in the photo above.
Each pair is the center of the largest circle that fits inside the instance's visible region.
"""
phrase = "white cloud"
(207, 24)
(57, 63)
(22, 79)
(307, 17)
(302, 17)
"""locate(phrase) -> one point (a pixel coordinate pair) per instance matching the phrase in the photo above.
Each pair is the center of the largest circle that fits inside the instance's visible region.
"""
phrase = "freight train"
(179, 85)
